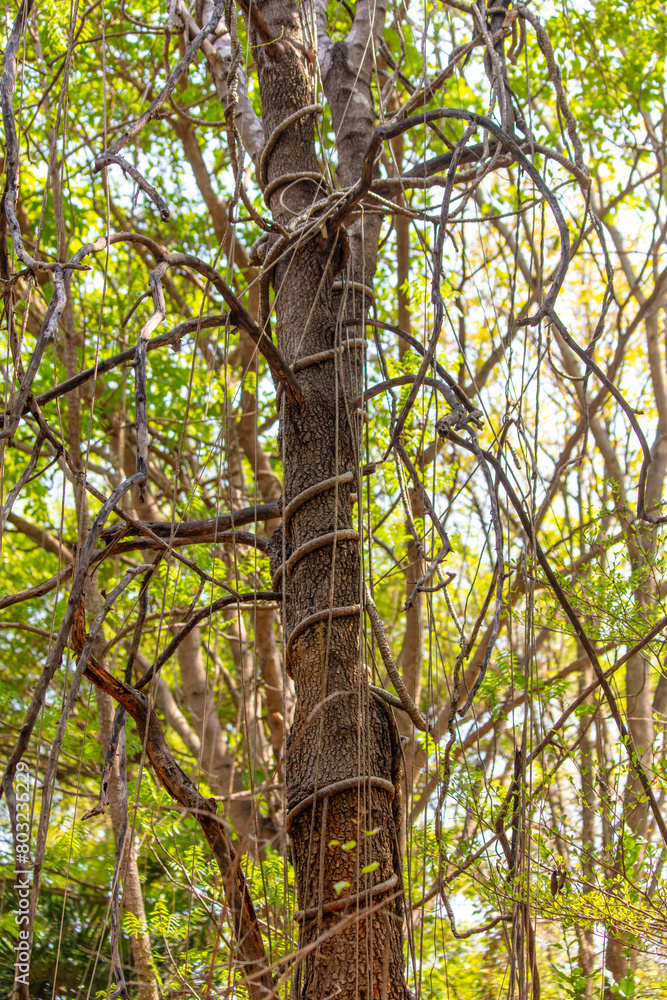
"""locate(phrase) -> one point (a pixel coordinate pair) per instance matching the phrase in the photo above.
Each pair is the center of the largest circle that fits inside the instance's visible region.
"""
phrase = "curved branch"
(107, 158)
(407, 704)
(238, 314)
(165, 339)
(206, 537)
(377, 390)
(420, 349)
(384, 133)
(39, 590)
(150, 112)
(193, 529)
(210, 609)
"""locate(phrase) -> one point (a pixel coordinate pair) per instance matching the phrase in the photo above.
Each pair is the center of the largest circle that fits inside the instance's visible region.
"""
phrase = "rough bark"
(342, 753)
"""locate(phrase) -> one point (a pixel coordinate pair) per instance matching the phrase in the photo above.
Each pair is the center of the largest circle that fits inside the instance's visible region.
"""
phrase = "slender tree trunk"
(402, 225)
(269, 660)
(641, 542)
(133, 900)
(218, 765)
(244, 660)
(588, 807)
(409, 662)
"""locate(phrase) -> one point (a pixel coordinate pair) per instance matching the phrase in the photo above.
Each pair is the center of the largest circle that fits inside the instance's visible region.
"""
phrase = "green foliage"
(613, 62)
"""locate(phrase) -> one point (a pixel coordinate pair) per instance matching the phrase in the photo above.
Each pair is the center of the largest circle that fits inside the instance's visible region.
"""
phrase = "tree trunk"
(133, 900)
(219, 767)
(588, 809)
(277, 693)
(342, 754)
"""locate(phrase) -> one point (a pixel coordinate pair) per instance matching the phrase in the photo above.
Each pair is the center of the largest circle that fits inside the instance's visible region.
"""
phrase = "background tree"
(384, 284)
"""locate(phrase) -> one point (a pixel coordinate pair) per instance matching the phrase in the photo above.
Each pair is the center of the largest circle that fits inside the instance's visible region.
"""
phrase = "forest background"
(505, 392)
